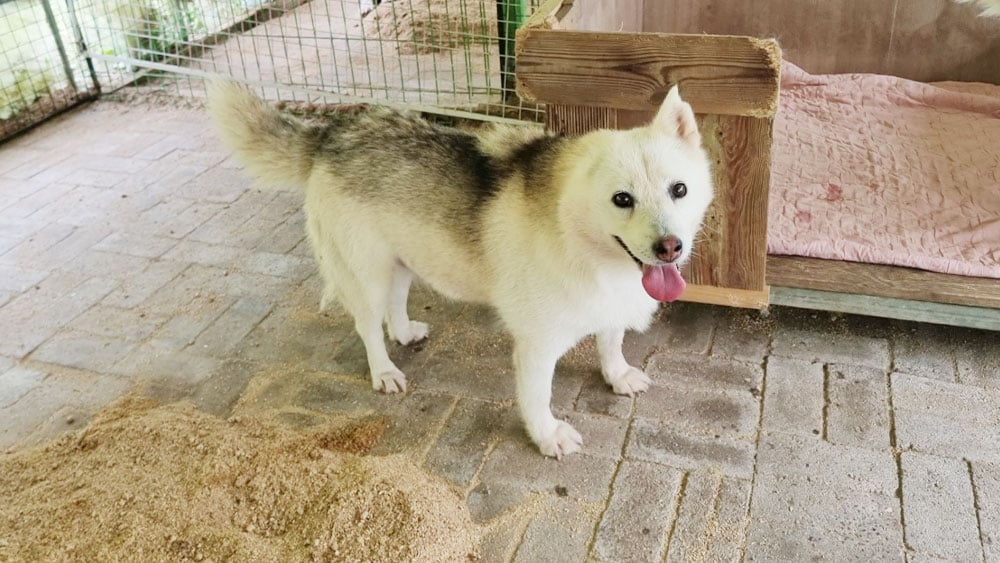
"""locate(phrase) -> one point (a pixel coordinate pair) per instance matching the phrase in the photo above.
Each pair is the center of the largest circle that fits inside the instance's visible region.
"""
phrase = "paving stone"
(687, 449)
(820, 346)
(939, 507)
(31, 247)
(181, 368)
(17, 381)
(231, 225)
(829, 526)
(286, 236)
(978, 360)
(678, 327)
(693, 371)
(184, 223)
(725, 412)
(280, 265)
(858, 408)
(501, 539)
(465, 439)
(560, 533)
(742, 335)
(473, 364)
(135, 289)
(965, 403)
(640, 513)
(711, 519)
(986, 480)
(130, 325)
(414, 421)
(204, 253)
(84, 351)
(17, 279)
(924, 350)
(602, 436)
(228, 329)
(82, 390)
(214, 184)
(811, 462)
(947, 419)
(596, 397)
(515, 469)
(222, 389)
(134, 244)
(793, 401)
(95, 263)
(183, 329)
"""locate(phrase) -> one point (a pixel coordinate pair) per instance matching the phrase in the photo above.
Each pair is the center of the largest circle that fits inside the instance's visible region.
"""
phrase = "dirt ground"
(166, 482)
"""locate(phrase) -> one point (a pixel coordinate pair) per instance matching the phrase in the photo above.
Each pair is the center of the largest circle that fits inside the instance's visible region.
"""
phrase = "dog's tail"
(277, 148)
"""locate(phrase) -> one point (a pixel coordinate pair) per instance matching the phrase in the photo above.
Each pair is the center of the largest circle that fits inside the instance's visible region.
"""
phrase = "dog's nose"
(668, 248)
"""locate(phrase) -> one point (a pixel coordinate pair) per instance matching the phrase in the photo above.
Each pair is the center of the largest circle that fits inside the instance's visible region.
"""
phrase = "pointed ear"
(676, 118)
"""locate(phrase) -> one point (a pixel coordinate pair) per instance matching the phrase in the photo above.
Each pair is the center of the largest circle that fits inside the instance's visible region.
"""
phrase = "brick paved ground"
(132, 253)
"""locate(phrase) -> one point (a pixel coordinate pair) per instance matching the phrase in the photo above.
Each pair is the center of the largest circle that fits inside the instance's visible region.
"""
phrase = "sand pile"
(431, 26)
(157, 483)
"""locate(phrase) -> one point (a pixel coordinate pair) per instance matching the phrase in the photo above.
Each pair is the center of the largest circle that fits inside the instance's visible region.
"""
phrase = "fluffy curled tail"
(277, 148)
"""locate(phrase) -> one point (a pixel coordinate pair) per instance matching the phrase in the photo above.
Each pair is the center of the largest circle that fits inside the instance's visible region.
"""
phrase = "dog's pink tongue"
(663, 283)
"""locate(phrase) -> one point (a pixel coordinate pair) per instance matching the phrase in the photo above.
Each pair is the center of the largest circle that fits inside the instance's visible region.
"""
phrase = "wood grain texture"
(727, 296)
(924, 40)
(882, 281)
(720, 74)
(731, 250)
(577, 120)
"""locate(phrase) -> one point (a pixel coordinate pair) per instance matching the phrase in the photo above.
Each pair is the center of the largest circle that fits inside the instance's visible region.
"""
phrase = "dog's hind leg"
(401, 328)
(623, 378)
(368, 307)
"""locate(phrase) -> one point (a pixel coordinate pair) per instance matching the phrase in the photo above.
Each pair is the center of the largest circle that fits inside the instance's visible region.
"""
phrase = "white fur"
(550, 266)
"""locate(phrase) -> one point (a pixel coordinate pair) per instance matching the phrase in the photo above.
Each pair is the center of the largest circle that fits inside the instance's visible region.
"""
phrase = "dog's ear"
(676, 118)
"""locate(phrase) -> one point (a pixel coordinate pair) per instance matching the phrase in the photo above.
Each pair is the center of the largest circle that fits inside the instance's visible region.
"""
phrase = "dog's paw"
(632, 381)
(413, 333)
(564, 440)
(389, 382)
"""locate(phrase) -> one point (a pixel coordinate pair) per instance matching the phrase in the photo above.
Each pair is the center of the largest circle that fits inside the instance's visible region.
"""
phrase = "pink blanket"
(882, 170)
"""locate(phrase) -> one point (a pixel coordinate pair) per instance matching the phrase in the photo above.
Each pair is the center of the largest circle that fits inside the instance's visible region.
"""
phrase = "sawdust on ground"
(155, 483)
(432, 26)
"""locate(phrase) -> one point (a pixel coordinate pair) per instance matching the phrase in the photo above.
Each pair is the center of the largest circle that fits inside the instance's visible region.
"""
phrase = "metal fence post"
(54, 26)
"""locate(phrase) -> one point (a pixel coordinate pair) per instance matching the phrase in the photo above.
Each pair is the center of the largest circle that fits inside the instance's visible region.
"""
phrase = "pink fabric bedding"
(878, 169)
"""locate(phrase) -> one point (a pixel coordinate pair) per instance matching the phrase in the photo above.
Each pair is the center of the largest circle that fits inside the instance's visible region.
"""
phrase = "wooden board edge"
(888, 307)
(743, 298)
(841, 277)
(699, 91)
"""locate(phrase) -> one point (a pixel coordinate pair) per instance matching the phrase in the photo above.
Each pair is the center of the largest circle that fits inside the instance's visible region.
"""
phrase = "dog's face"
(647, 191)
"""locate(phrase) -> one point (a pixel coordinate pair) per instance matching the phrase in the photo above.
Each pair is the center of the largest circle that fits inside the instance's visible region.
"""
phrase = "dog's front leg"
(623, 378)
(535, 363)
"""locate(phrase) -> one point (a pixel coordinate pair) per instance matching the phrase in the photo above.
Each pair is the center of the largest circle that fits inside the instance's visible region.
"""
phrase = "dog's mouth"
(662, 282)
(638, 262)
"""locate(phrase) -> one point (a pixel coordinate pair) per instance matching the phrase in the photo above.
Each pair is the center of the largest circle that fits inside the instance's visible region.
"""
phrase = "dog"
(564, 237)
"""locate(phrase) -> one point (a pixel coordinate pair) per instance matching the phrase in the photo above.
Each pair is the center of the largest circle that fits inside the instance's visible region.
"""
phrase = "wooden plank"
(731, 250)
(725, 75)
(577, 120)
(888, 307)
(546, 16)
(882, 281)
(749, 299)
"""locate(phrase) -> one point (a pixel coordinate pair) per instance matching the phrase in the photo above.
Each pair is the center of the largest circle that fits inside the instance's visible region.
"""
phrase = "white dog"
(564, 237)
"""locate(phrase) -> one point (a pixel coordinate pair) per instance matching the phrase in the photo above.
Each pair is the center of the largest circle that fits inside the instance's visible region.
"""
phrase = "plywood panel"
(919, 39)
(605, 15)
(722, 75)
(881, 281)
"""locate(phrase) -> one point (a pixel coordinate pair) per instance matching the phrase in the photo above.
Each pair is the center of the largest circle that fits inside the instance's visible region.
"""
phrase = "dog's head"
(645, 193)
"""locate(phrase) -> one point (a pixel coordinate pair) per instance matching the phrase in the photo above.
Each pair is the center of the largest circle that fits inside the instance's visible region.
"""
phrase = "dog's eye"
(623, 200)
(678, 190)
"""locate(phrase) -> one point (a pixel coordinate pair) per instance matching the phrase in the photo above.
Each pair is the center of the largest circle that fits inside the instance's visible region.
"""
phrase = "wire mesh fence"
(40, 73)
(442, 56)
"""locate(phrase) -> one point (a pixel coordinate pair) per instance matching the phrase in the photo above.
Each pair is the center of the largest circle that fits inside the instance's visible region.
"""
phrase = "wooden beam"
(748, 299)
(882, 281)
(888, 307)
(725, 75)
